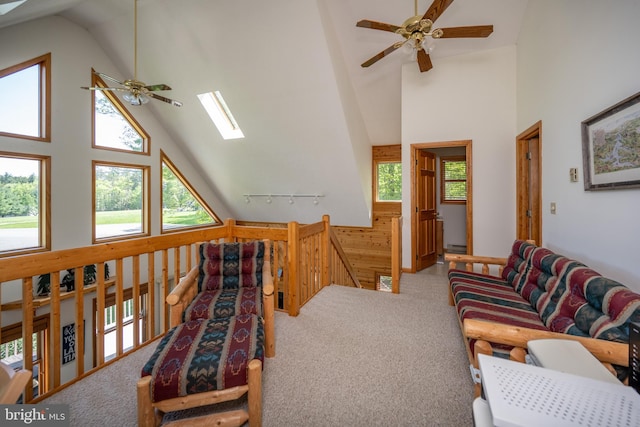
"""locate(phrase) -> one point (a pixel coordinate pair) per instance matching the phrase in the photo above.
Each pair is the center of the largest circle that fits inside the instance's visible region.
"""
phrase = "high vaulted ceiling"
(277, 64)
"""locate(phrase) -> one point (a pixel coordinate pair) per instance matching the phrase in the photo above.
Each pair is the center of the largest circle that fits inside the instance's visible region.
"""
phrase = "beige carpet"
(351, 358)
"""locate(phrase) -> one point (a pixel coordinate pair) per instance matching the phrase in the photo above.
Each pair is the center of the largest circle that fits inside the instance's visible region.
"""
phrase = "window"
(24, 207)
(11, 351)
(453, 180)
(120, 201)
(114, 128)
(388, 181)
(181, 205)
(383, 283)
(110, 313)
(220, 115)
(25, 100)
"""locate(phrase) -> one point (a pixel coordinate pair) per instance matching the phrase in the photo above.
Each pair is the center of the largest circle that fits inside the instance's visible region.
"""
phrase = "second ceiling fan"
(418, 28)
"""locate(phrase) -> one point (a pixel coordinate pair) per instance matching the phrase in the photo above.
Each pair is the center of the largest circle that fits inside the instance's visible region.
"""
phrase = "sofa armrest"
(605, 351)
(470, 260)
(182, 295)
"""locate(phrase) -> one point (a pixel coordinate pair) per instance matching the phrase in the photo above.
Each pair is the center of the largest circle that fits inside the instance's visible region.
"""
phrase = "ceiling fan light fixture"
(135, 98)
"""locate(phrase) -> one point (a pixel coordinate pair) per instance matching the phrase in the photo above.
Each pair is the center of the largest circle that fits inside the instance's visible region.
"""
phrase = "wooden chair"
(222, 316)
(12, 383)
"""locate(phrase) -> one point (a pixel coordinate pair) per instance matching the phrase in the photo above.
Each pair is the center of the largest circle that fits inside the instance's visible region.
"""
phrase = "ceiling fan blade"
(160, 86)
(167, 100)
(105, 88)
(365, 23)
(424, 61)
(473, 31)
(381, 55)
(436, 9)
(104, 76)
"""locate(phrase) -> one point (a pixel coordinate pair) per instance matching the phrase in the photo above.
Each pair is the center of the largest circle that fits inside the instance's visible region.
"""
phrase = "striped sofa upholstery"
(540, 289)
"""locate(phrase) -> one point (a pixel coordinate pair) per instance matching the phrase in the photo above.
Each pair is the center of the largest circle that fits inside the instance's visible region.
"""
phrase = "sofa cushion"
(230, 265)
(517, 262)
(594, 306)
(482, 297)
(224, 303)
(478, 296)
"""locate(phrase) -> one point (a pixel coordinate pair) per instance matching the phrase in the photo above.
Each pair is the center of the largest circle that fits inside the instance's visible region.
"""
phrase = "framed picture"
(611, 147)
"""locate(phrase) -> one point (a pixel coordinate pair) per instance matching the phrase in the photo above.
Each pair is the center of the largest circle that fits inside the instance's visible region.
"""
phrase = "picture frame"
(611, 147)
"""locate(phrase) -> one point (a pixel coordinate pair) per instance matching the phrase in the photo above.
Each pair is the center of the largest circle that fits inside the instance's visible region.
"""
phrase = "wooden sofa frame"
(484, 332)
(178, 300)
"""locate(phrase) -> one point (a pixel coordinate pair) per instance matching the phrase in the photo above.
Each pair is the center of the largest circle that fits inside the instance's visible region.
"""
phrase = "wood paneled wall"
(369, 248)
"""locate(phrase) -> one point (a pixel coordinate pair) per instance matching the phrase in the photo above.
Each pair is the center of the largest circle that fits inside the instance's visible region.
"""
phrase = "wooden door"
(426, 254)
(529, 185)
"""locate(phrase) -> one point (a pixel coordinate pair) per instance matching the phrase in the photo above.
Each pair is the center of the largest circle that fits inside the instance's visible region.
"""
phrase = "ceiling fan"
(136, 92)
(418, 28)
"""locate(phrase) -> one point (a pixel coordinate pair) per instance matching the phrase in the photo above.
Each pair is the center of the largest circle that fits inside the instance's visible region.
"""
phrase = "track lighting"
(291, 197)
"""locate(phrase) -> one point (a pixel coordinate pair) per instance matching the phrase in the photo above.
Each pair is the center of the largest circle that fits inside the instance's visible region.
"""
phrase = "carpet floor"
(351, 358)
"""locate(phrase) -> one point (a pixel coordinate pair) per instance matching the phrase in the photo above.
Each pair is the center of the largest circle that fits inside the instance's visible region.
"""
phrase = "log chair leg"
(254, 396)
(518, 354)
(146, 415)
(480, 347)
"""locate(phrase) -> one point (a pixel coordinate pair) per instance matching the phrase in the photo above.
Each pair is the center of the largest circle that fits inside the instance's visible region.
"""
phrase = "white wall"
(584, 59)
(73, 53)
(461, 98)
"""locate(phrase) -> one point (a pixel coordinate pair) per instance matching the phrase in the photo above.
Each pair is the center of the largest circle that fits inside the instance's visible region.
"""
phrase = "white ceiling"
(243, 46)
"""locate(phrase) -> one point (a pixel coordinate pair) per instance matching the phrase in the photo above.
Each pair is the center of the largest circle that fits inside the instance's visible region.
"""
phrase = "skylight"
(220, 114)
(8, 7)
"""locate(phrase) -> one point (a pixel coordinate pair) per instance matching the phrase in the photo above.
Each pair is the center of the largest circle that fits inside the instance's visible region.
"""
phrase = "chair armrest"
(182, 295)
(185, 284)
(267, 279)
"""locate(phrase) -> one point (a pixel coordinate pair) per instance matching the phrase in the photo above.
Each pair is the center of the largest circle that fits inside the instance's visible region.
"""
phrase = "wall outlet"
(553, 208)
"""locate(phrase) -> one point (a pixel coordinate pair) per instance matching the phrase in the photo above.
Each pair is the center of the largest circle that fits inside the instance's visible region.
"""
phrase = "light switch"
(573, 174)
(553, 208)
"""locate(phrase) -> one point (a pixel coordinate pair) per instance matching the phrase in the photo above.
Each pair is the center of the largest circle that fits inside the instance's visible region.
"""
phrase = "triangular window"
(182, 207)
(114, 128)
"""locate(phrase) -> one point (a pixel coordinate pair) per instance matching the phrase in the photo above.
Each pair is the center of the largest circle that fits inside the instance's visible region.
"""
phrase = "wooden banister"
(305, 258)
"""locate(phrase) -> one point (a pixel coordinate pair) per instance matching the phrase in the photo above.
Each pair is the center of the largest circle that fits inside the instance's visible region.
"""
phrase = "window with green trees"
(24, 212)
(114, 128)
(453, 180)
(120, 200)
(389, 182)
(181, 205)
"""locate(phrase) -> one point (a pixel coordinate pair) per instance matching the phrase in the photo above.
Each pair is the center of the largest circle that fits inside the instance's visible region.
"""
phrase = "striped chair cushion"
(205, 355)
(481, 297)
(224, 303)
(230, 265)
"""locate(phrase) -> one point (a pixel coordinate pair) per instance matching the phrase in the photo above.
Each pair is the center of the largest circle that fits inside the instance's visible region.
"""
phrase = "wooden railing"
(305, 259)
(396, 254)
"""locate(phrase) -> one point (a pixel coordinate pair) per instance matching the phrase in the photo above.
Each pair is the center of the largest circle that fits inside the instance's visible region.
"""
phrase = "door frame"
(523, 186)
(415, 148)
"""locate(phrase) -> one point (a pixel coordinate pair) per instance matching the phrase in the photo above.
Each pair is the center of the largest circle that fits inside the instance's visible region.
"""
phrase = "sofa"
(535, 293)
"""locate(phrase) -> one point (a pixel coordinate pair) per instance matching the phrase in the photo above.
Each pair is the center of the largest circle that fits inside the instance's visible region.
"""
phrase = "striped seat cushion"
(205, 355)
(482, 297)
(224, 303)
